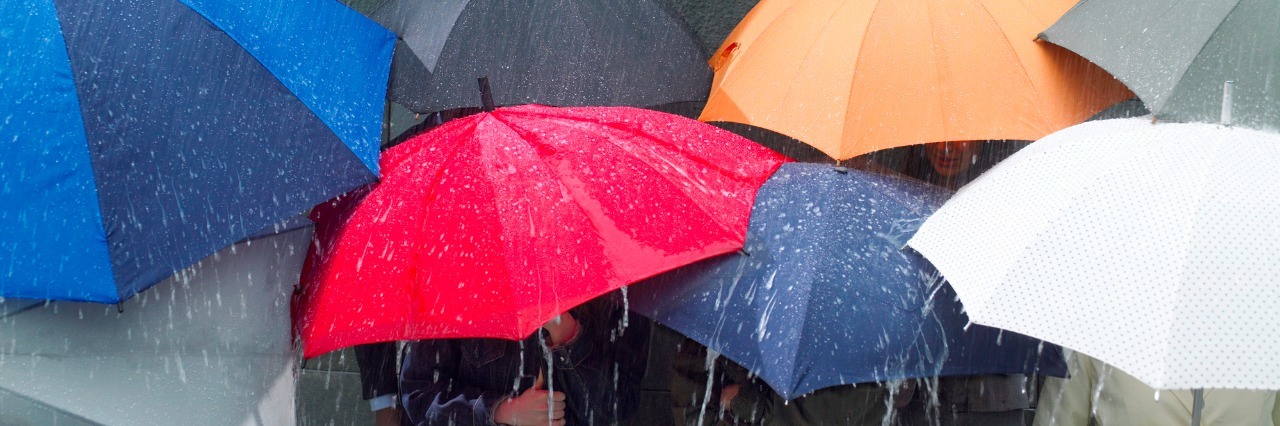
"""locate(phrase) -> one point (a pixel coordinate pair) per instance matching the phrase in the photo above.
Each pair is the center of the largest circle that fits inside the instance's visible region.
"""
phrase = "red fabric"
(492, 224)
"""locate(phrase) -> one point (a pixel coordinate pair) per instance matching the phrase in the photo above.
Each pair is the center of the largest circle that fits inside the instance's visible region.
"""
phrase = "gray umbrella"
(1176, 55)
(552, 52)
(712, 20)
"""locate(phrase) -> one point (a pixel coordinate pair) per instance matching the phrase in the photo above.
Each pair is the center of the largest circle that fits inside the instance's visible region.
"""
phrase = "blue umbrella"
(139, 136)
(823, 293)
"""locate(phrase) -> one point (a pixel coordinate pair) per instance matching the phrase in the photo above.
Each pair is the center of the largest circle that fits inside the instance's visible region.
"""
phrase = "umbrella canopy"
(1177, 55)
(215, 333)
(566, 53)
(1153, 248)
(851, 77)
(823, 295)
(492, 224)
(712, 20)
(142, 136)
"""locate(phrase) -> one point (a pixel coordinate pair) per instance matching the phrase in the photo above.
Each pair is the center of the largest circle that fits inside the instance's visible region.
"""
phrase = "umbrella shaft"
(1197, 406)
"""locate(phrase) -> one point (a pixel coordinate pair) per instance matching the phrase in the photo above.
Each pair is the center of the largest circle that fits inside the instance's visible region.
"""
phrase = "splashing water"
(626, 307)
(549, 376)
(711, 375)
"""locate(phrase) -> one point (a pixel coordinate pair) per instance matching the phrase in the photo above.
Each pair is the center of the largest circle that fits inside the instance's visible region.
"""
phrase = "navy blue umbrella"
(823, 293)
(139, 136)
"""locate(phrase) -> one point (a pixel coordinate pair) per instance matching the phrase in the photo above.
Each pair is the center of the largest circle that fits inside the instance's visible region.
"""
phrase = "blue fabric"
(193, 143)
(331, 69)
(823, 293)
(49, 217)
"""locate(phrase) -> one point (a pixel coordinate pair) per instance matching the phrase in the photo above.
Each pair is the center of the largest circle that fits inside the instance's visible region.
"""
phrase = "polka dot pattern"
(1154, 248)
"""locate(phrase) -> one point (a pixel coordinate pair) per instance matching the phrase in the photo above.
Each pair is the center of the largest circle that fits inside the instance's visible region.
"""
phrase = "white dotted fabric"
(1154, 248)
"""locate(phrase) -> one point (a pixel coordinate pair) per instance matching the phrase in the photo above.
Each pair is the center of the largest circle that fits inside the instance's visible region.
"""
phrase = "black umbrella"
(552, 52)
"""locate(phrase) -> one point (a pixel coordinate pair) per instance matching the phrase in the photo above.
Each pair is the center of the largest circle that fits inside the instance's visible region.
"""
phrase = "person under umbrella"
(549, 274)
(597, 351)
(1146, 246)
(989, 399)
(1100, 394)
(709, 390)
(953, 164)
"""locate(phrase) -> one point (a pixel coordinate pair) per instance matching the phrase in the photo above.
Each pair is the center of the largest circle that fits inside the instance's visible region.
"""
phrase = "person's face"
(952, 158)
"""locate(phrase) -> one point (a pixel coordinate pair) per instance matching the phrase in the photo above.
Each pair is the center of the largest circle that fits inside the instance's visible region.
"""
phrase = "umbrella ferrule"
(1226, 101)
(486, 95)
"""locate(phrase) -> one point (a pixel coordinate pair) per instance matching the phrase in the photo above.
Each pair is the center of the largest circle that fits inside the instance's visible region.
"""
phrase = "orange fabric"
(855, 76)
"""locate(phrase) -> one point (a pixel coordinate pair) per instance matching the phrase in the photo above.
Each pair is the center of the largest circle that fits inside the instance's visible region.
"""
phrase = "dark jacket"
(377, 362)
(461, 381)
(756, 403)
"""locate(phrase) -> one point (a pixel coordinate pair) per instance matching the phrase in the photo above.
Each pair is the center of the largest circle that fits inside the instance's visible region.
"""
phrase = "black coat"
(460, 381)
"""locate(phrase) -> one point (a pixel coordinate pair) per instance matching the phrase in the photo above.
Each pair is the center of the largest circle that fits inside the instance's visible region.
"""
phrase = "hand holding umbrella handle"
(534, 406)
(561, 330)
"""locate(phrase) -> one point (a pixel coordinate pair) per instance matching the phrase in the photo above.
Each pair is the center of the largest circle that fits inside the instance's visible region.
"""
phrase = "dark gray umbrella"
(1176, 55)
(552, 52)
(712, 20)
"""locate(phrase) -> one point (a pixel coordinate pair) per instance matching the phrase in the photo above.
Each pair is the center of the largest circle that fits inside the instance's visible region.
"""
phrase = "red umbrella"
(493, 224)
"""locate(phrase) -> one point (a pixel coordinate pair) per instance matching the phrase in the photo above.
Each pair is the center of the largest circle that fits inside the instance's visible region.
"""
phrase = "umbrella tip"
(1039, 37)
(486, 95)
(1226, 102)
(841, 170)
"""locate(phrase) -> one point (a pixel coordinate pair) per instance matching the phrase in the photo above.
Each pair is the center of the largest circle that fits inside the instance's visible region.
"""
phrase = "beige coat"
(1116, 398)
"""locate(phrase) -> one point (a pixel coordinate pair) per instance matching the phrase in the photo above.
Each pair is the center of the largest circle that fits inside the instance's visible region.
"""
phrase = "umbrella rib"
(454, 153)
(1199, 51)
(515, 316)
(1044, 116)
(665, 176)
(827, 228)
(853, 82)
(686, 29)
(938, 72)
(513, 128)
(1186, 255)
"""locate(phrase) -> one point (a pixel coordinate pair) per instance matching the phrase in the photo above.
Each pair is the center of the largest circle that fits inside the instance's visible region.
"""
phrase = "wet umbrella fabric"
(550, 52)
(141, 136)
(1177, 55)
(492, 224)
(823, 294)
(1153, 248)
(712, 21)
(851, 77)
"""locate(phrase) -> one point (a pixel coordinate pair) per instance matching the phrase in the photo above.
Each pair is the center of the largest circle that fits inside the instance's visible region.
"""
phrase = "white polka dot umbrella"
(1155, 248)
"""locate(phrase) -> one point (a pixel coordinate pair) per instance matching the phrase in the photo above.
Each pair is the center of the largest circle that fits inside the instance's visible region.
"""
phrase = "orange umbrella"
(851, 77)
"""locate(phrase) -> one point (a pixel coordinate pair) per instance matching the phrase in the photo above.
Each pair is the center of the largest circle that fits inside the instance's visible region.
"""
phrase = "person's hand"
(531, 407)
(727, 394)
(387, 417)
(561, 329)
(904, 393)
